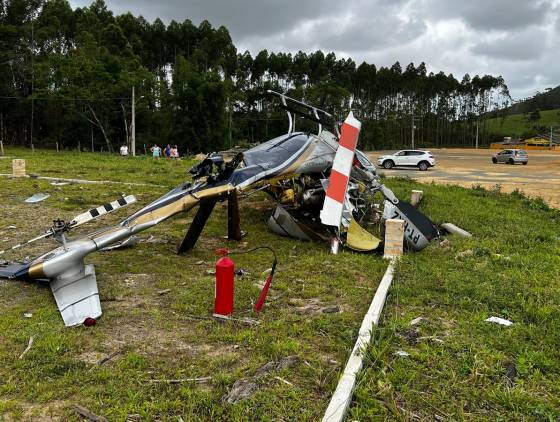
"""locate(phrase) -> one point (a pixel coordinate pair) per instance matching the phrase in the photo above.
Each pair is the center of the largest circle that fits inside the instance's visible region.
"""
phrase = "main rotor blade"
(20, 245)
(102, 210)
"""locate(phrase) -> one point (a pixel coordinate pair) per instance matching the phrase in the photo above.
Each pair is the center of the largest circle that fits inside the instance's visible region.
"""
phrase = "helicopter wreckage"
(324, 189)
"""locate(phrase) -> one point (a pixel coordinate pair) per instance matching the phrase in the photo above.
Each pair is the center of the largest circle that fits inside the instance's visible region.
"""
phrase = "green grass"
(516, 125)
(457, 364)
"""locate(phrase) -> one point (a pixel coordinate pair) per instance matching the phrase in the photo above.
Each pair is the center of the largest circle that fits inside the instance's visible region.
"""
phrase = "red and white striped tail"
(331, 214)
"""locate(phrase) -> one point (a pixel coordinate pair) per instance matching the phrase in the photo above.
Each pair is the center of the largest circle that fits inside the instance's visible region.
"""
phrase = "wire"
(274, 264)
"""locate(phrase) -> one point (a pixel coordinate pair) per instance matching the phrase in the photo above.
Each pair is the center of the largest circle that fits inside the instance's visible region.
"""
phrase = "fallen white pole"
(452, 228)
(342, 396)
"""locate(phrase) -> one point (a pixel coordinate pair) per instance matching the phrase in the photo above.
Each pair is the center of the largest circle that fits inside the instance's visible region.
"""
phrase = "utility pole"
(477, 134)
(413, 127)
(133, 125)
(32, 76)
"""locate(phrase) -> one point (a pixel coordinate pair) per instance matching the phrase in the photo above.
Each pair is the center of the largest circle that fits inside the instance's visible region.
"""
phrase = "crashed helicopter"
(322, 184)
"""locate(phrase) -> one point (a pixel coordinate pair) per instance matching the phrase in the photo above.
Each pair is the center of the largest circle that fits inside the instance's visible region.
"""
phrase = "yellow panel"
(360, 239)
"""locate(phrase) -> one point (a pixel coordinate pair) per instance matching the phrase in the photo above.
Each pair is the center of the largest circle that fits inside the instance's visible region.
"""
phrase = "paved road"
(465, 167)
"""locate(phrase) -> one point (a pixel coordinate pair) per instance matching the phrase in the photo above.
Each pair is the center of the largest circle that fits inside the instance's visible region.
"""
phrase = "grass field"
(516, 125)
(459, 367)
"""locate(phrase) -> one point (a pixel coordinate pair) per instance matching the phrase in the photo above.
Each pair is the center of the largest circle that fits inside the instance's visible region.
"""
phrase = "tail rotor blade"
(102, 210)
(331, 214)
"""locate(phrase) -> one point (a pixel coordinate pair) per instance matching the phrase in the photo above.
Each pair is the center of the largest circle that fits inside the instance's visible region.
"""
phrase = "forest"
(67, 76)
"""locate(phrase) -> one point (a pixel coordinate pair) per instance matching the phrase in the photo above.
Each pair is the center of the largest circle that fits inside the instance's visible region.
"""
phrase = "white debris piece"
(498, 320)
(38, 197)
(416, 321)
(28, 315)
(402, 354)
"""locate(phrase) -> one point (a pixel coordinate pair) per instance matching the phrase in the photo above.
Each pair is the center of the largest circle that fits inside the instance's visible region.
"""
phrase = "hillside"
(544, 101)
(520, 125)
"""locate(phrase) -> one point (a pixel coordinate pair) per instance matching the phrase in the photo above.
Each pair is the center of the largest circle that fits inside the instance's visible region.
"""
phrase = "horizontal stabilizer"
(77, 297)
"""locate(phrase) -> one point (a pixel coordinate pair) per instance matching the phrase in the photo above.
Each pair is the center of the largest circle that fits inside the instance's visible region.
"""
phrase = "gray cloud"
(515, 46)
(512, 38)
(489, 15)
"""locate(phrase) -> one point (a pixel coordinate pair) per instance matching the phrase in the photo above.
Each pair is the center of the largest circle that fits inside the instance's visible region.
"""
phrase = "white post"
(18, 167)
(416, 197)
(394, 238)
(477, 134)
(133, 125)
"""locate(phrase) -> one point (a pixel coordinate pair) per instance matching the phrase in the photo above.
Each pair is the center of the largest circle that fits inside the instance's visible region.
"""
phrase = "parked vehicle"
(511, 156)
(409, 157)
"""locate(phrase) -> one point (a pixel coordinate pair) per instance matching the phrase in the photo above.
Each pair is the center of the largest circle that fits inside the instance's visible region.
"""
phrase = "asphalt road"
(467, 167)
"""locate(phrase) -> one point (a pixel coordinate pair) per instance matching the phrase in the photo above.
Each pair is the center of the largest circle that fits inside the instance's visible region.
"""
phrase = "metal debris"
(500, 321)
(38, 197)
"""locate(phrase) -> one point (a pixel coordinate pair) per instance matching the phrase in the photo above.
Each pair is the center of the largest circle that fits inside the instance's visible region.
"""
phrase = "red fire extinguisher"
(223, 295)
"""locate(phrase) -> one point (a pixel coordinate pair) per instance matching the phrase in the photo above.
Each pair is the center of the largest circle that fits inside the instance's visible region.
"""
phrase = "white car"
(408, 157)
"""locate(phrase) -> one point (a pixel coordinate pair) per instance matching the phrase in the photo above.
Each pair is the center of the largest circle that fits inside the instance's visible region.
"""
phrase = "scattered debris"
(28, 315)
(107, 358)
(500, 321)
(59, 183)
(402, 354)
(163, 292)
(90, 416)
(38, 197)
(27, 348)
(200, 380)
(284, 381)
(431, 338)
(199, 263)
(464, 255)
(210, 272)
(240, 272)
(331, 310)
(416, 321)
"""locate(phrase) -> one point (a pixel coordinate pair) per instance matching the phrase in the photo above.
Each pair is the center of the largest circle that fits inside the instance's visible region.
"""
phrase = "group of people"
(169, 151)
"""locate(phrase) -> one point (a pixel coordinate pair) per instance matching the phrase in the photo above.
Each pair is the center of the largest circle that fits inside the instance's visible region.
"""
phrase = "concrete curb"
(340, 401)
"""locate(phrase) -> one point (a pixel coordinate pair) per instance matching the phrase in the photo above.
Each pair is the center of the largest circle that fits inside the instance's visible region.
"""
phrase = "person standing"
(124, 151)
(167, 151)
(156, 151)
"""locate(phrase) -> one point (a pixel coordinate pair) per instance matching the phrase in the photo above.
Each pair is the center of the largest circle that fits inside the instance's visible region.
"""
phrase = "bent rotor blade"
(331, 214)
(102, 210)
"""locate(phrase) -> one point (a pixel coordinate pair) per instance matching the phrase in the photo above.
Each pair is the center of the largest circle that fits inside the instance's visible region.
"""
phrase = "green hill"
(522, 125)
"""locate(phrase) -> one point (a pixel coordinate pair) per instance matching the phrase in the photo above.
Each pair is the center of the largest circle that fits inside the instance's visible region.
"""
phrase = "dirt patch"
(468, 167)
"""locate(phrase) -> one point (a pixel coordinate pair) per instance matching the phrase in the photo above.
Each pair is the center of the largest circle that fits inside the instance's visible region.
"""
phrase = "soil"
(468, 167)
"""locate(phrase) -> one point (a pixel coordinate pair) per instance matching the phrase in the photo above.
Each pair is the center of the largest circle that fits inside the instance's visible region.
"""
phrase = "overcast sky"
(518, 39)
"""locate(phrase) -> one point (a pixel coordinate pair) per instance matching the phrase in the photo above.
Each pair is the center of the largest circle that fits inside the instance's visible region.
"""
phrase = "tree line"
(66, 78)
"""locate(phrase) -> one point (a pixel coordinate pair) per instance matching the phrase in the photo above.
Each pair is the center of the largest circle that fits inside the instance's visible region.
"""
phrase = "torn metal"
(301, 171)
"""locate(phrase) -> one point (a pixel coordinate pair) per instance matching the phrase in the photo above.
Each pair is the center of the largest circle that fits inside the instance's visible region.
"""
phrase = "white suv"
(408, 157)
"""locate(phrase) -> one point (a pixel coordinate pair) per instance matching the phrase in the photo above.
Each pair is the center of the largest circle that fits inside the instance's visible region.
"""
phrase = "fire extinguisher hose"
(264, 292)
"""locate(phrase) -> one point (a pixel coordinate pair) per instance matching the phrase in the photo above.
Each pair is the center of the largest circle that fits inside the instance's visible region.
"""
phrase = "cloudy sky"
(518, 39)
